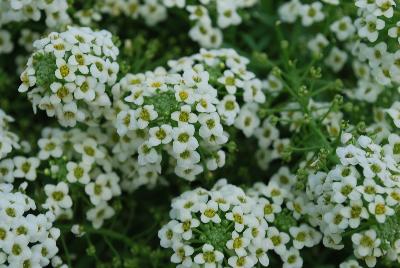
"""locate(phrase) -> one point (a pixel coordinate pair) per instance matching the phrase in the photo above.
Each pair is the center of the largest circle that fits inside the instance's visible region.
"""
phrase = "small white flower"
(98, 214)
(26, 167)
(379, 208)
(58, 195)
(209, 212)
(78, 172)
(210, 257)
(160, 135)
(144, 115)
(277, 240)
(238, 244)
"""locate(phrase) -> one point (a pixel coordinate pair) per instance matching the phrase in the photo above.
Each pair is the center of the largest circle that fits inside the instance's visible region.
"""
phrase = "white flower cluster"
(227, 227)
(378, 60)
(69, 72)
(184, 111)
(8, 140)
(25, 10)
(26, 239)
(75, 159)
(173, 116)
(370, 33)
(202, 12)
(239, 92)
(359, 197)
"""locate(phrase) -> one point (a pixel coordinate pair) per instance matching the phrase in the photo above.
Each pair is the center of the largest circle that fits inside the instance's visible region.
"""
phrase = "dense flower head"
(359, 197)
(187, 110)
(69, 72)
(27, 238)
(226, 226)
(73, 160)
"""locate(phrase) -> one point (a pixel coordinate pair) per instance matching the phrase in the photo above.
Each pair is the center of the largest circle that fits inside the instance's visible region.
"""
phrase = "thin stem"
(68, 257)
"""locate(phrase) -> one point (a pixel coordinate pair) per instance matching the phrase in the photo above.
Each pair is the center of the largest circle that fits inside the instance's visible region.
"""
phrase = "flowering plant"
(199, 133)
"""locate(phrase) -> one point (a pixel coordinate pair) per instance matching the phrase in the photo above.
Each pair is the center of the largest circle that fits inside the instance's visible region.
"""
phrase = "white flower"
(301, 236)
(343, 28)
(318, 43)
(167, 235)
(6, 170)
(237, 217)
(184, 116)
(184, 139)
(227, 14)
(210, 125)
(78, 172)
(99, 190)
(209, 212)
(182, 254)
(238, 244)
(345, 189)
(98, 214)
(394, 113)
(311, 13)
(126, 121)
(277, 240)
(58, 195)
(242, 261)
(355, 212)
(267, 209)
(335, 220)
(228, 109)
(26, 167)
(336, 59)
(65, 71)
(370, 189)
(247, 120)
(371, 27)
(253, 91)
(49, 147)
(350, 264)
(185, 228)
(209, 257)
(89, 150)
(365, 243)
(292, 259)
(258, 249)
(289, 11)
(158, 135)
(230, 82)
(85, 88)
(379, 208)
(147, 154)
(144, 115)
